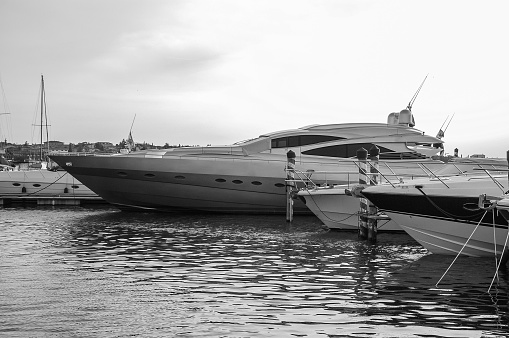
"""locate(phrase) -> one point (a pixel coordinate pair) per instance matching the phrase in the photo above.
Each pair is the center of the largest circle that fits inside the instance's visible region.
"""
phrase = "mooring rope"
(463, 247)
(332, 220)
(35, 192)
(445, 212)
(501, 257)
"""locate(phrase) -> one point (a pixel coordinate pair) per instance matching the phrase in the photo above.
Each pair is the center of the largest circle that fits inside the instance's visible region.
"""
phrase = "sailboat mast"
(42, 110)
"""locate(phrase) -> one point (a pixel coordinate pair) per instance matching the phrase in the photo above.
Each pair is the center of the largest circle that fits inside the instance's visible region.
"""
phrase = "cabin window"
(302, 140)
(343, 150)
(402, 156)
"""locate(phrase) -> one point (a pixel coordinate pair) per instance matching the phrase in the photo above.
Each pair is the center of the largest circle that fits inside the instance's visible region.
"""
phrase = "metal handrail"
(305, 177)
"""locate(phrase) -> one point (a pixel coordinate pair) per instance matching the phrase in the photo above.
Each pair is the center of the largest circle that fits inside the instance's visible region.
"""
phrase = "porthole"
(122, 174)
(256, 183)
(37, 185)
(149, 175)
(179, 177)
(16, 184)
(279, 185)
(220, 180)
(75, 186)
(237, 181)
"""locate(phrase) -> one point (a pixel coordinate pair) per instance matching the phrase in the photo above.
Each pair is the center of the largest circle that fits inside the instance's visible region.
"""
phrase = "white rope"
(501, 259)
(459, 253)
(495, 249)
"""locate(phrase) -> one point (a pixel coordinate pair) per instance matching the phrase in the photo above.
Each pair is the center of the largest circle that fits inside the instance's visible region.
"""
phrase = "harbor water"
(100, 272)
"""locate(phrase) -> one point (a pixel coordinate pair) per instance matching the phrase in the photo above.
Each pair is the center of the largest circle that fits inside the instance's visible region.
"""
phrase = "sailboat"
(36, 179)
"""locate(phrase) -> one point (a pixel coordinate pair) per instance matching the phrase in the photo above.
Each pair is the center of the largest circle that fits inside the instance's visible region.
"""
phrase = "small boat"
(463, 214)
(338, 209)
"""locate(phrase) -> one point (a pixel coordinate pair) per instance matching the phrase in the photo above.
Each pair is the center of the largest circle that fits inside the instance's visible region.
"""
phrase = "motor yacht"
(248, 176)
(463, 214)
(339, 209)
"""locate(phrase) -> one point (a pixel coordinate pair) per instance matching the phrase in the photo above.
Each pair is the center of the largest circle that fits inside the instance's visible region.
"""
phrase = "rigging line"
(4, 99)
(36, 113)
(463, 247)
(445, 212)
(501, 258)
(381, 226)
(46, 121)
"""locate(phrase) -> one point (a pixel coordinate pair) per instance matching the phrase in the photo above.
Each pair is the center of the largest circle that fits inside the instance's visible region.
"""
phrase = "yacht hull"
(41, 183)
(448, 237)
(339, 211)
(177, 184)
(445, 220)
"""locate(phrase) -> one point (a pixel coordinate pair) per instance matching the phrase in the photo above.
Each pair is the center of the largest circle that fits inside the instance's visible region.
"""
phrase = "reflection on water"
(101, 272)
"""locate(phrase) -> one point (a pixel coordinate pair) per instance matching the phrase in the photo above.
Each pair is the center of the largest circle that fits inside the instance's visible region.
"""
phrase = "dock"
(50, 200)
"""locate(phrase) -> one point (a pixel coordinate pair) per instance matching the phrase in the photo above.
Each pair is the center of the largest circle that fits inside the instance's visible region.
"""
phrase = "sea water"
(100, 272)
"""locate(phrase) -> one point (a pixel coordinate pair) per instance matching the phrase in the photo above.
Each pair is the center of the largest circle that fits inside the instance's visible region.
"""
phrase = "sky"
(199, 72)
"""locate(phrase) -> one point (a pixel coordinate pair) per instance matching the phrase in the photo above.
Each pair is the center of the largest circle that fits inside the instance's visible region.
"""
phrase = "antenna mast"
(411, 103)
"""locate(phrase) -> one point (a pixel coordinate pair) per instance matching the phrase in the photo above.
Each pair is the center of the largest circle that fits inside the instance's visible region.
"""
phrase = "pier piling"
(374, 155)
(362, 156)
(290, 184)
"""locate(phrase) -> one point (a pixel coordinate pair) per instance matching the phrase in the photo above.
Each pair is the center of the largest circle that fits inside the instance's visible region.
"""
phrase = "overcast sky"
(217, 72)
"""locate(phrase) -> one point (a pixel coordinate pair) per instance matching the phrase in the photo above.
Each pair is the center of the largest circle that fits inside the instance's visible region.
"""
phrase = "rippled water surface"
(78, 272)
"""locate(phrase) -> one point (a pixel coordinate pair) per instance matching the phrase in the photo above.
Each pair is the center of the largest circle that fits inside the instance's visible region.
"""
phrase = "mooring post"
(374, 155)
(362, 156)
(508, 167)
(290, 176)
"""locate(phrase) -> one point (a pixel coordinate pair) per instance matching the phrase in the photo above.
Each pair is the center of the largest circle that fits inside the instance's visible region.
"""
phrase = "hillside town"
(19, 153)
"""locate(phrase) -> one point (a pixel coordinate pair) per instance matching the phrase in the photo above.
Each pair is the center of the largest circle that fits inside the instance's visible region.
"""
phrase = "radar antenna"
(410, 104)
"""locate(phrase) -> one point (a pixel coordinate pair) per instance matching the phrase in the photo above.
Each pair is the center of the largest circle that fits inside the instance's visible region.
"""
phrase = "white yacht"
(249, 176)
(338, 209)
(464, 214)
(38, 183)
